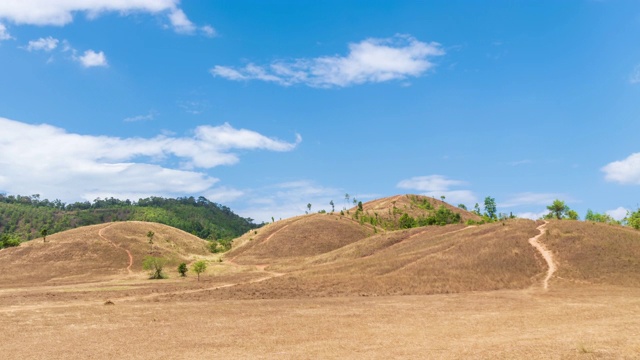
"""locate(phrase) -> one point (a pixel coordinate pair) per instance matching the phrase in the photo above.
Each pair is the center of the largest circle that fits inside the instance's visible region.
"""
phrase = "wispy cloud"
(43, 44)
(532, 215)
(4, 33)
(625, 171)
(437, 186)
(60, 13)
(531, 198)
(369, 61)
(148, 117)
(634, 78)
(48, 160)
(285, 200)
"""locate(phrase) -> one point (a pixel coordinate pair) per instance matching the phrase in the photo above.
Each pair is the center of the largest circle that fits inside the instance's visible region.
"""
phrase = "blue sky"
(265, 106)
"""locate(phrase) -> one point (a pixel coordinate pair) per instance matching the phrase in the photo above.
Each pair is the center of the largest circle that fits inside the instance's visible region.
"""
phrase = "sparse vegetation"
(155, 265)
(199, 267)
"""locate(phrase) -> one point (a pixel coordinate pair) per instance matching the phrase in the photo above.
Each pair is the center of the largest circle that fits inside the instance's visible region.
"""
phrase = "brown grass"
(484, 282)
(81, 255)
(594, 252)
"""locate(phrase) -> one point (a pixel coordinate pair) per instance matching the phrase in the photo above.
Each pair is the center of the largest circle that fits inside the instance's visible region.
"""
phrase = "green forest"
(24, 218)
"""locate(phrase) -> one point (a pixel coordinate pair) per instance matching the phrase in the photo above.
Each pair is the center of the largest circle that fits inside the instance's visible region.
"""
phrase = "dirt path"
(100, 233)
(546, 254)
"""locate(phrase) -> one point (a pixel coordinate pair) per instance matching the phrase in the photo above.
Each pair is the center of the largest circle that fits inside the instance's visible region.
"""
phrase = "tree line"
(24, 217)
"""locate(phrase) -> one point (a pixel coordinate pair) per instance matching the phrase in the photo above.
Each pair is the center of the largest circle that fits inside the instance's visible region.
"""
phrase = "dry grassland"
(298, 289)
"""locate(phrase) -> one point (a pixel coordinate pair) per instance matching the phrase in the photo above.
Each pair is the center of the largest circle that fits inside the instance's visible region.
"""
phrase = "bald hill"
(25, 217)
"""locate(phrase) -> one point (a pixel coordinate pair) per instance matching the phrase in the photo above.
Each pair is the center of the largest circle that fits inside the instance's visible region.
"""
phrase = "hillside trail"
(101, 234)
(546, 254)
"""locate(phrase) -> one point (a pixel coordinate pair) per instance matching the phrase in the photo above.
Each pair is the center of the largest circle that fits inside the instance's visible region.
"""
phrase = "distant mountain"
(26, 216)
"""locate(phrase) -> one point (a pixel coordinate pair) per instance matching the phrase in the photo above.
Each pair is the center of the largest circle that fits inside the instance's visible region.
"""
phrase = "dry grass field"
(322, 286)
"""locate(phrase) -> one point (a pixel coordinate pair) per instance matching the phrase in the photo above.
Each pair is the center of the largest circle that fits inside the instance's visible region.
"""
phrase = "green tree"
(557, 209)
(333, 208)
(442, 197)
(155, 265)
(462, 206)
(572, 215)
(476, 210)
(406, 221)
(199, 267)
(44, 233)
(150, 235)
(182, 269)
(633, 219)
(309, 206)
(490, 207)
(360, 206)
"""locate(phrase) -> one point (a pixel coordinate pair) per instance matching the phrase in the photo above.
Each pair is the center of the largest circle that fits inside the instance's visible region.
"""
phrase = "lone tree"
(199, 267)
(182, 269)
(309, 206)
(150, 235)
(333, 208)
(155, 265)
(442, 197)
(44, 233)
(490, 207)
(558, 210)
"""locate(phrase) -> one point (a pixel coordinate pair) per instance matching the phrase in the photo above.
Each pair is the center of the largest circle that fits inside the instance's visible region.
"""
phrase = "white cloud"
(625, 171)
(437, 186)
(4, 34)
(180, 22)
(208, 31)
(50, 161)
(150, 116)
(45, 44)
(61, 12)
(618, 214)
(371, 60)
(289, 199)
(532, 215)
(634, 78)
(530, 198)
(91, 58)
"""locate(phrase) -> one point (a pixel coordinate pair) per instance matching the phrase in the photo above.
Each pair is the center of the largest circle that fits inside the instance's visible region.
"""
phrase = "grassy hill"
(96, 252)
(25, 216)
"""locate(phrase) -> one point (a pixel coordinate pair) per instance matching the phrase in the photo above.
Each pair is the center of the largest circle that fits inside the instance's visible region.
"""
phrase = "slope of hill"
(595, 253)
(26, 216)
(298, 237)
(95, 253)
(428, 260)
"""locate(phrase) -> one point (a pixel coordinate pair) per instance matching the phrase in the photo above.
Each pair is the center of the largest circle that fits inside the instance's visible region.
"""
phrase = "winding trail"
(546, 254)
(100, 233)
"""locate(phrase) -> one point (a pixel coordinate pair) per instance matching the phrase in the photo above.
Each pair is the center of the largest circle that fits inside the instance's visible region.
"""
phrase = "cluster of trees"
(442, 216)
(26, 216)
(155, 266)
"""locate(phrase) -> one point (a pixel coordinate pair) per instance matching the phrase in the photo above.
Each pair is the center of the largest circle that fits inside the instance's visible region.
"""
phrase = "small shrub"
(182, 269)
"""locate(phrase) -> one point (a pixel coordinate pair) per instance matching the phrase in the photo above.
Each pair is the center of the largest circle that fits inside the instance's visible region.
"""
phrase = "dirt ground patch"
(574, 323)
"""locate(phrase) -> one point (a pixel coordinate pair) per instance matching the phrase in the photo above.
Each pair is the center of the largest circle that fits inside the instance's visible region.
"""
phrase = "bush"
(182, 269)
(155, 265)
